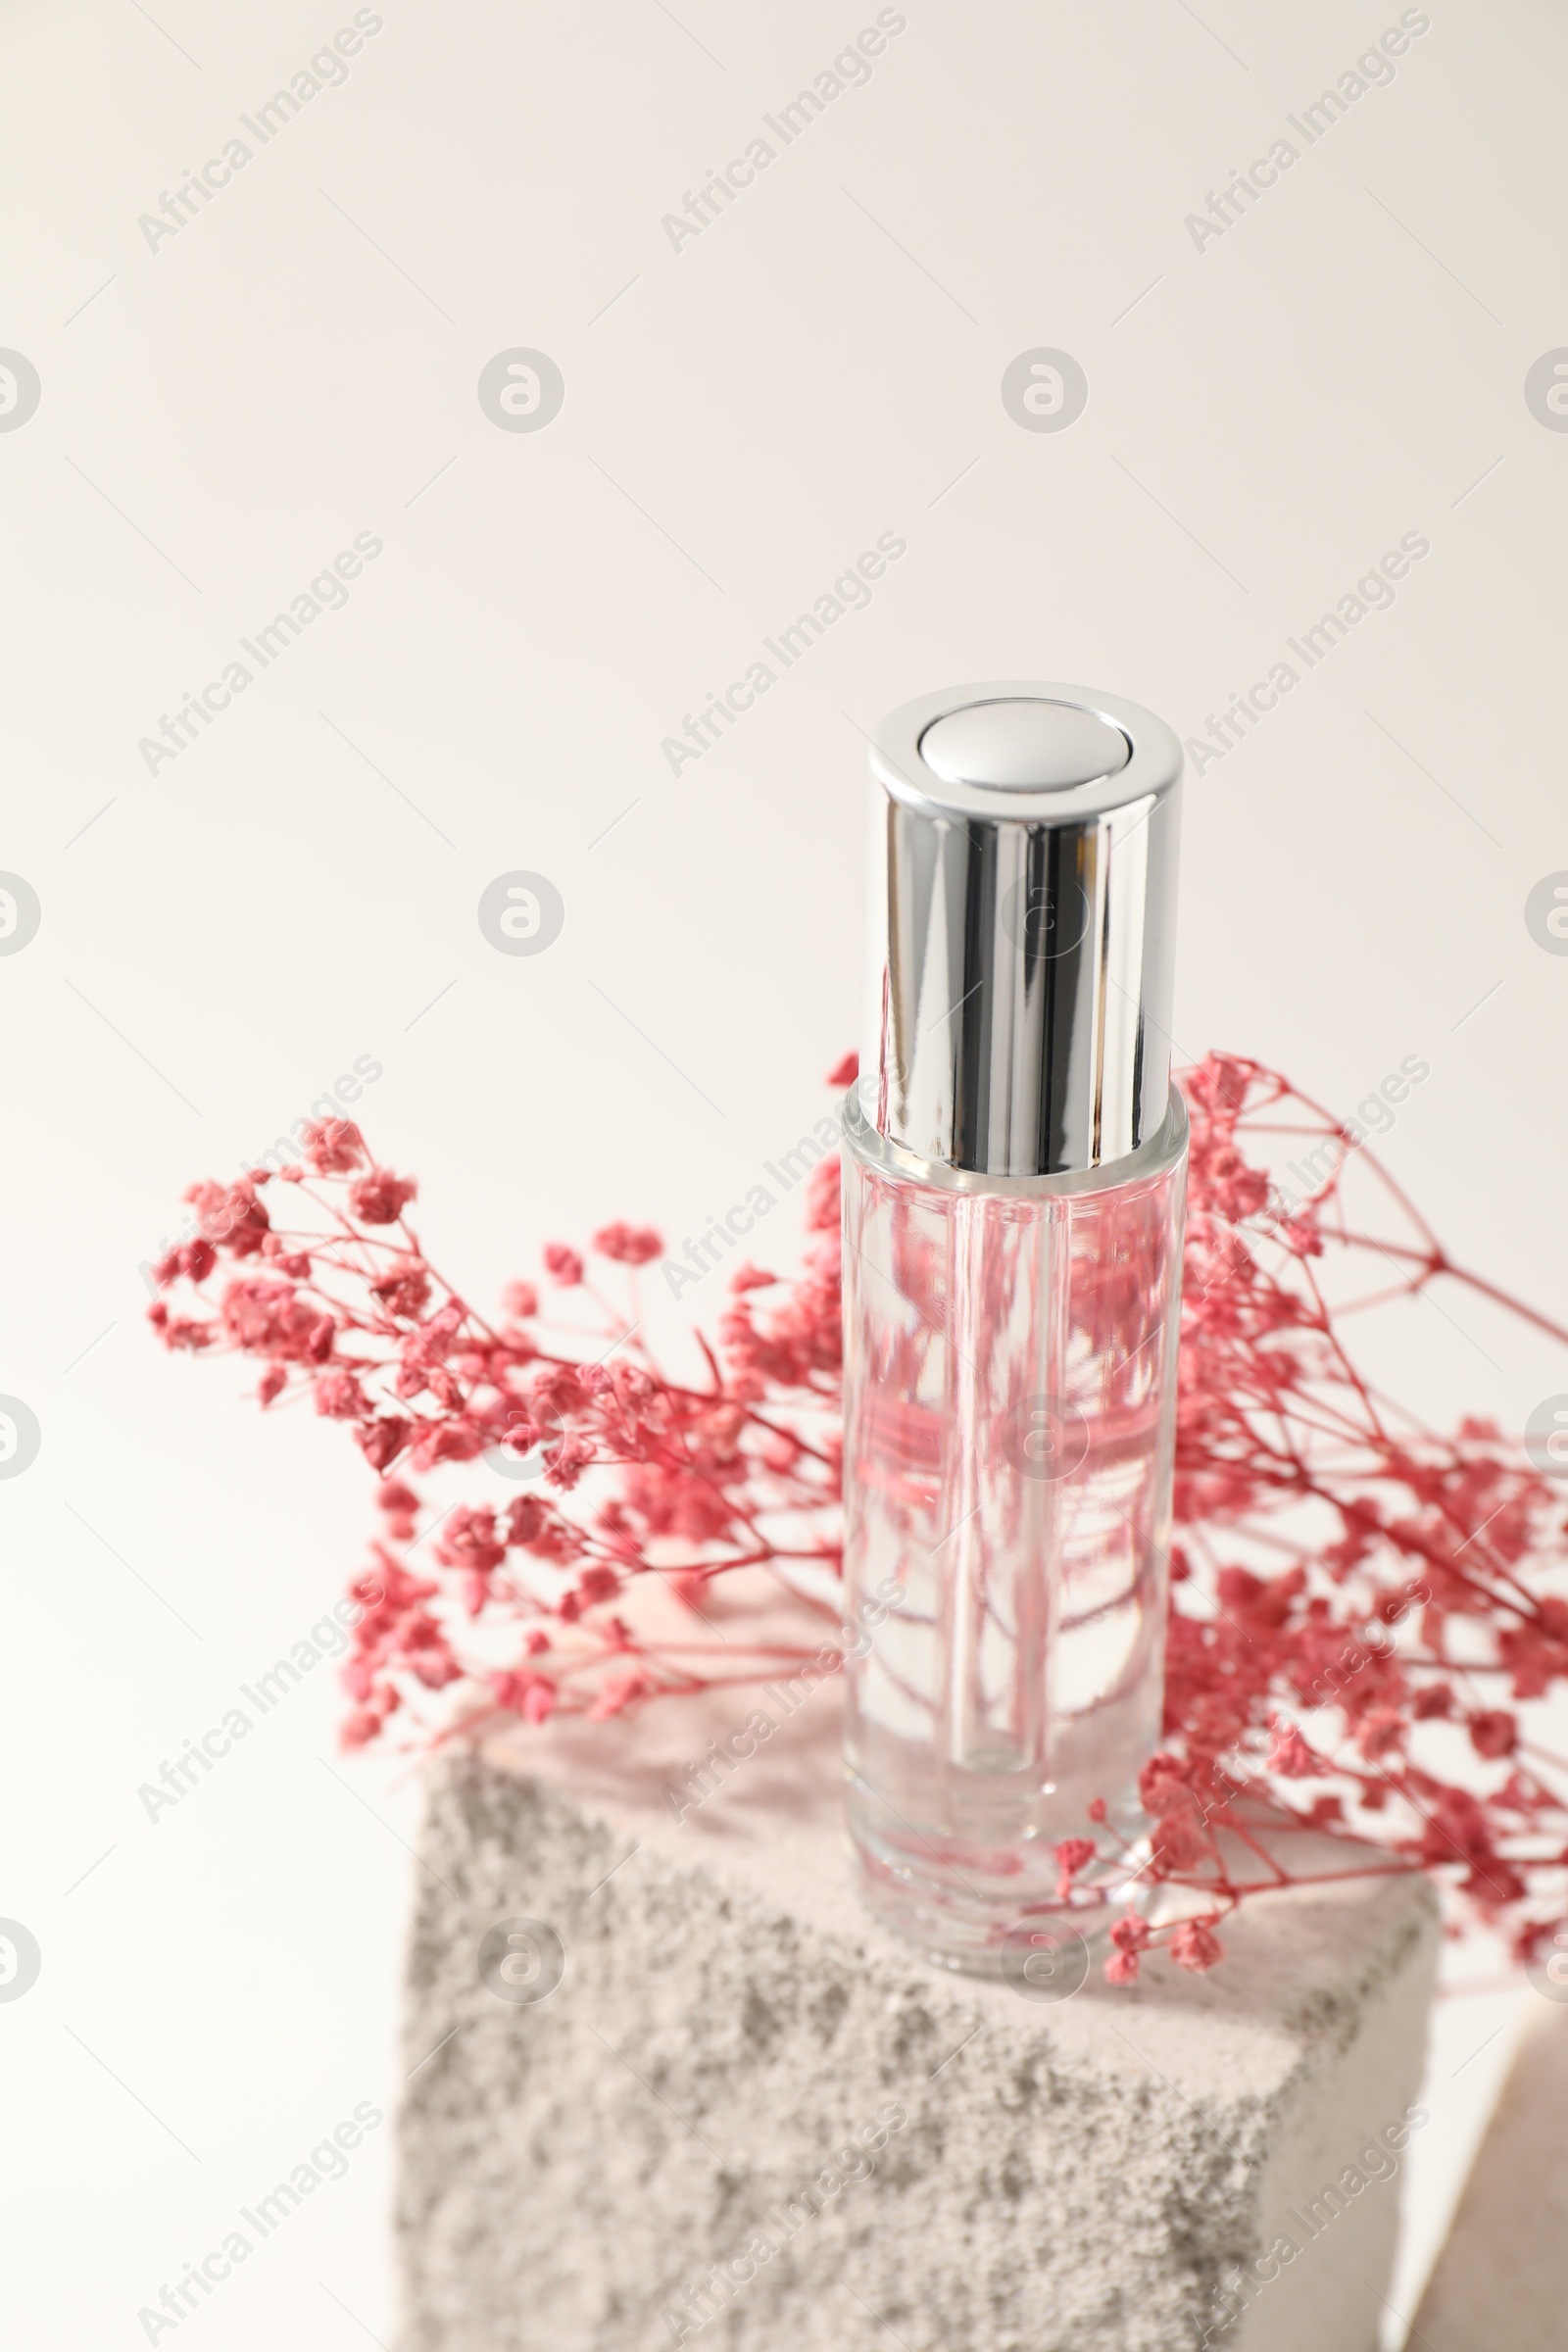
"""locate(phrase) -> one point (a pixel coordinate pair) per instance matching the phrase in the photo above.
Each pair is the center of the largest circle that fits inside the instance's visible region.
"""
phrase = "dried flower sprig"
(1361, 1607)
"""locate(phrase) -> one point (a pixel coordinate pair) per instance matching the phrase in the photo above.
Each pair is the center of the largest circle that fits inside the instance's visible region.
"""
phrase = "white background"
(222, 416)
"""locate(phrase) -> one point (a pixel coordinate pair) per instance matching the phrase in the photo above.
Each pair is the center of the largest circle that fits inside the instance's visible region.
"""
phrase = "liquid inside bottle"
(1010, 1399)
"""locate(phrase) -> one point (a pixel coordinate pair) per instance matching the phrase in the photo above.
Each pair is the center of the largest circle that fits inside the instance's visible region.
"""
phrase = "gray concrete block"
(733, 2040)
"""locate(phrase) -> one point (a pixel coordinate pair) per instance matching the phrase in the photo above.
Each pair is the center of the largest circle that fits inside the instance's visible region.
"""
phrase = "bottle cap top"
(1022, 927)
(1021, 745)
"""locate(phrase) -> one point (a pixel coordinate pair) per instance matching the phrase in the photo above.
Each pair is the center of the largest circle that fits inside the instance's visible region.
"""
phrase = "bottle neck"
(1163, 1150)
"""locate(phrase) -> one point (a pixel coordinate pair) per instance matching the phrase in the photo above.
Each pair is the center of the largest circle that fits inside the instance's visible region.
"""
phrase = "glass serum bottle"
(1014, 1180)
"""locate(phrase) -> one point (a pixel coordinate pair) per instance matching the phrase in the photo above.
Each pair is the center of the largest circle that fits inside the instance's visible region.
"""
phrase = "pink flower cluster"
(1364, 1610)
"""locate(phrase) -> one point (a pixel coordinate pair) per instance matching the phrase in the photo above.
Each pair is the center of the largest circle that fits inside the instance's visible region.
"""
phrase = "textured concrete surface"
(1502, 2282)
(731, 2033)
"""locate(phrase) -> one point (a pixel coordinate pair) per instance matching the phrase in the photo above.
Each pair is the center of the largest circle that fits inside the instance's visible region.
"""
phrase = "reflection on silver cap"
(1021, 927)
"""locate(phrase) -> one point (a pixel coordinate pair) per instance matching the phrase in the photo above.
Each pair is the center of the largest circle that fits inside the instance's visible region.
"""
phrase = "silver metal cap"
(1021, 933)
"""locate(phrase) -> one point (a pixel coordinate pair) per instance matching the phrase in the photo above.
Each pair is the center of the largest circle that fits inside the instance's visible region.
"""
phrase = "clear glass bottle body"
(1009, 1407)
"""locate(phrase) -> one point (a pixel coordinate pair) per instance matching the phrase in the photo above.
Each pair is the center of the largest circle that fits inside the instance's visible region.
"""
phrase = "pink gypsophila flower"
(381, 1198)
(334, 1146)
(1426, 1598)
(629, 1245)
